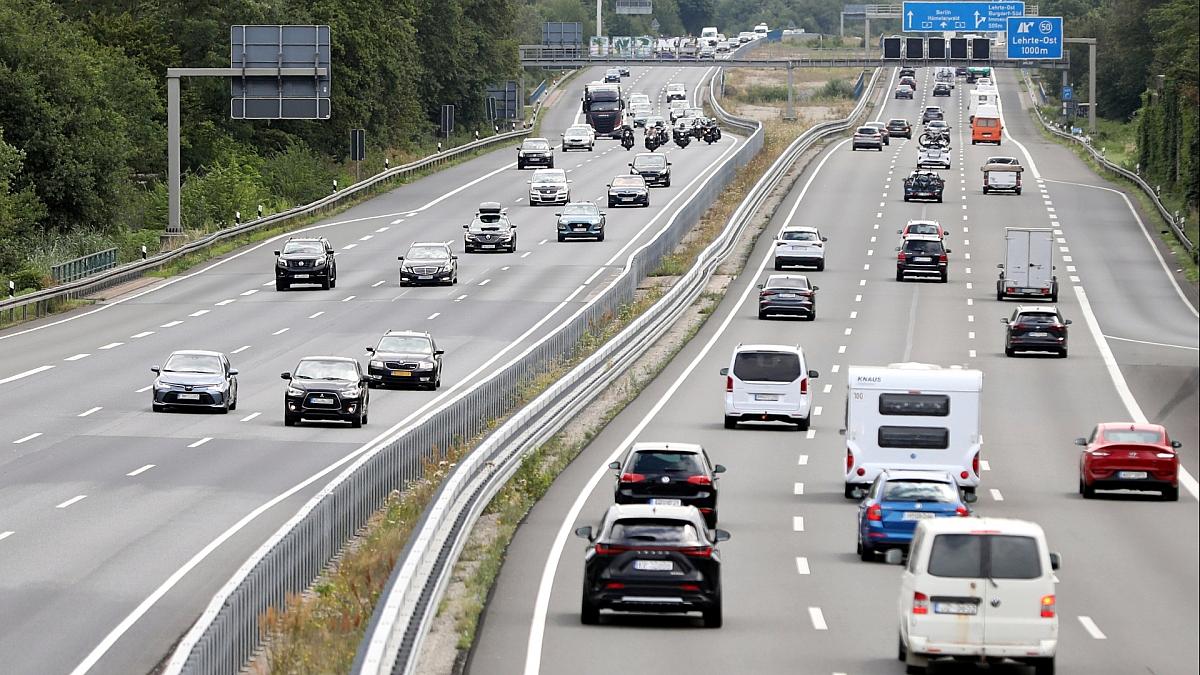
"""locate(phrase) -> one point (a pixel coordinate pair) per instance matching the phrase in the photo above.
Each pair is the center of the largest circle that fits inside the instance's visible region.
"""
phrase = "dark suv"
(490, 230)
(922, 254)
(932, 112)
(653, 167)
(1036, 329)
(668, 474)
(305, 260)
(326, 388)
(899, 127)
(406, 357)
(646, 558)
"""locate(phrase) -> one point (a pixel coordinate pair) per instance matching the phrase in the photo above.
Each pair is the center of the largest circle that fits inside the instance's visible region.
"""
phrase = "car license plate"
(299, 276)
(766, 397)
(321, 399)
(627, 199)
(923, 259)
(787, 295)
(401, 373)
(487, 246)
(580, 228)
(955, 608)
(1131, 475)
(916, 515)
(1038, 334)
(188, 397)
(667, 502)
(425, 276)
(653, 565)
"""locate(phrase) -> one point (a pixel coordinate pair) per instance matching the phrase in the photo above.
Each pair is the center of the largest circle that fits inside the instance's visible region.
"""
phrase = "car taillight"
(942, 258)
(699, 480)
(697, 551)
(900, 256)
(766, 294)
(985, 178)
(804, 385)
(849, 460)
(875, 512)
(728, 383)
(963, 475)
(614, 586)
(975, 464)
(920, 603)
(962, 511)
(1018, 179)
(695, 588)
(1020, 326)
(632, 477)
(609, 549)
(1047, 606)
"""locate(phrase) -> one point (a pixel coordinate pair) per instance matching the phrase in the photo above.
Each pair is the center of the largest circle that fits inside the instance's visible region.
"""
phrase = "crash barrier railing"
(537, 92)
(859, 84)
(84, 266)
(228, 632)
(39, 303)
(408, 604)
(1174, 221)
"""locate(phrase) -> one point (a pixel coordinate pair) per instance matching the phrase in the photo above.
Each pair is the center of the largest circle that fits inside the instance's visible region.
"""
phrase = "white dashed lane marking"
(802, 565)
(111, 345)
(25, 439)
(817, 618)
(170, 324)
(76, 357)
(201, 312)
(797, 523)
(140, 470)
(252, 291)
(72, 500)
(1092, 629)
(200, 442)
(89, 411)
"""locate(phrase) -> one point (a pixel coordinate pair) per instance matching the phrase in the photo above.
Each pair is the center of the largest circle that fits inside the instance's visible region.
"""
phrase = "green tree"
(20, 209)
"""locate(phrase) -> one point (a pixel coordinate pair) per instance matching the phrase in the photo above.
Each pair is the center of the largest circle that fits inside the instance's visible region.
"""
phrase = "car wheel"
(1062, 353)
(945, 277)
(589, 614)
(731, 422)
(939, 199)
(762, 315)
(1089, 492)
(325, 284)
(610, 204)
(290, 420)
(899, 275)
(712, 616)
(803, 422)
(356, 422)
(233, 403)
(1170, 494)
(1018, 190)
(1043, 666)
(821, 266)
(1081, 483)
(866, 553)
(901, 652)
(282, 285)
(333, 280)
(561, 238)
(668, 183)
(158, 408)
(915, 665)
(905, 197)
(520, 165)
(600, 237)
(985, 190)
(778, 266)
(1009, 351)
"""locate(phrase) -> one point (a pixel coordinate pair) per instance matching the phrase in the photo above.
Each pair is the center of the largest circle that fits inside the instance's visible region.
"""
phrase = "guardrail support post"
(12, 289)
(335, 185)
(143, 251)
(260, 210)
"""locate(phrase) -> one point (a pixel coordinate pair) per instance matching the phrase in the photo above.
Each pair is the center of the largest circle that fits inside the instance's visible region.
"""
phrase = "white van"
(978, 588)
(768, 383)
(708, 32)
(1028, 267)
(912, 416)
(761, 30)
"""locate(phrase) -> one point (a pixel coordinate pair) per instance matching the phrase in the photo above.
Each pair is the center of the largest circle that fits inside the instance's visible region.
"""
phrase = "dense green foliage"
(82, 118)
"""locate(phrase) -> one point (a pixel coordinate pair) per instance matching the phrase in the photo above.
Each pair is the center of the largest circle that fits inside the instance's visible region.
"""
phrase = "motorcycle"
(682, 138)
(627, 138)
(652, 142)
(712, 134)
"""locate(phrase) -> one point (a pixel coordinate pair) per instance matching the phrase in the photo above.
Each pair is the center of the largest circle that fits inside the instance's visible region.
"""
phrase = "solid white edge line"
(537, 628)
(27, 373)
(1092, 629)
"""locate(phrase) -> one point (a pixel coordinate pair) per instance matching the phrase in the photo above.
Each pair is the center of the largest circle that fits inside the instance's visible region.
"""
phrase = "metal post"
(842, 25)
(1092, 87)
(174, 227)
(790, 114)
(599, 20)
(867, 33)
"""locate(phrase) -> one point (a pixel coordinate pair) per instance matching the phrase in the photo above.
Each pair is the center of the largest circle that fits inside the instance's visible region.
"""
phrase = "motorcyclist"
(627, 136)
(682, 134)
(711, 131)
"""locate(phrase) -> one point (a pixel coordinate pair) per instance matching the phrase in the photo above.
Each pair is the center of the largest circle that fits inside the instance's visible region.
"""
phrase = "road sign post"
(936, 17)
(1035, 37)
(358, 150)
(1068, 94)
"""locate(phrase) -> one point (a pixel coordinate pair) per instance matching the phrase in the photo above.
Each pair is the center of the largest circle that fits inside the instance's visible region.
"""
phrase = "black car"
(941, 89)
(490, 230)
(922, 254)
(923, 185)
(1036, 329)
(326, 388)
(646, 558)
(787, 294)
(428, 262)
(932, 113)
(405, 357)
(668, 474)
(612, 75)
(653, 167)
(193, 378)
(907, 72)
(904, 91)
(628, 191)
(305, 260)
(581, 220)
(961, 71)
(535, 152)
(899, 127)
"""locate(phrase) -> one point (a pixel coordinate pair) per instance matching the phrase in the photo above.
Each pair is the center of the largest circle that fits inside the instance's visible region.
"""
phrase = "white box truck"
(1028, 267)
(915, 416)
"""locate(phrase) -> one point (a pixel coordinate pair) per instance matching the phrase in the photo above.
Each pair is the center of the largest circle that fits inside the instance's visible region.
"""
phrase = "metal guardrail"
(407, 605)
(1175, 223)
(84, 266)
(39, 303)
(537, 92)
(227, 632)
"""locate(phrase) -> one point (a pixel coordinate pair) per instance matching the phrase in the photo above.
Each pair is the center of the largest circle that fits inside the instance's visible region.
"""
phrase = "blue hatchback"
(898, 500)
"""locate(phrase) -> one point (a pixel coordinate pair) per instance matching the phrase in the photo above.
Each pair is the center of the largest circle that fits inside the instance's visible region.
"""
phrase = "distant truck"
(603, 108)
(1028, 267)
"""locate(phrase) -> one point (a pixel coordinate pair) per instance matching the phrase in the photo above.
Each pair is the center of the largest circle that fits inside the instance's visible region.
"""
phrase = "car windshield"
(580, 210)
(427, 253)
(1038, 317)
(407, 344)
(897, 123)
(193, 363)
(649, 161)
(326, 370)
(549, 177)
(642, 108)
(920, 246)
(767, 366)
(787, 282)
(613, 71)
(535, 145)
(977, 556)
(1132, 436)
(488, 219)
(918, 491)
(798, 235)
(656, 531)
(303, 247)
(627, 181)
(659, 462)
(578, 130)
(606, 106)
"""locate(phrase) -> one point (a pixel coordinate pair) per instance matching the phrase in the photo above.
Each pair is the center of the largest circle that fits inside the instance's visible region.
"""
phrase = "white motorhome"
(1028, 267)
(980, 97)
(912, 416)
(708, 32)
(761, 30)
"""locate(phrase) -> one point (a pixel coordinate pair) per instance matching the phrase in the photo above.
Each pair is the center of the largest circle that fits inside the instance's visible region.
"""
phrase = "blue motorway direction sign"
(1035, 37)
(935, 17)
(1068, 94)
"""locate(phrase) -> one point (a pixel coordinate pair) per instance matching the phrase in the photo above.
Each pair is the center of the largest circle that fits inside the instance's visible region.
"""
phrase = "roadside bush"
(837, 89)
(29, 279)
(233, 183)
(297, 175)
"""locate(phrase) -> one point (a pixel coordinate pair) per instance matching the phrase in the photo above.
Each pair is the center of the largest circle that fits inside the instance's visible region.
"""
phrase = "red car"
(1126, 456)
(922, 227)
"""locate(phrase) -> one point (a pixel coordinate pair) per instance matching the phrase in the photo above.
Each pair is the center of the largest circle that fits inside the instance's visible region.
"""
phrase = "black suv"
(932, 113)
(490, 230)
(922, 254)
(326, 388)
(899, 127)
(1036, 329)
(653, 167)
(923, 185)
(941, 89)
(406, 357)
(668, 474)
(305, 260)
(646, 558)
(535, 152)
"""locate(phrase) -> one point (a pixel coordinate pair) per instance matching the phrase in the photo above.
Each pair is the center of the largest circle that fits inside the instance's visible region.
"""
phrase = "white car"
(675, 91)
(768, 383)
(799, 245)
(975, 589)
(549, 186)
(635, 99)
(676, 108)
(745, 36)
(708, 52)
(580, 136)
(933, 158)
(640, 112)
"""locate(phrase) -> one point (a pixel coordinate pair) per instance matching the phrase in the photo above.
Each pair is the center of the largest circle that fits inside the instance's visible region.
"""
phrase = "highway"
(796, 597)
(117, 525)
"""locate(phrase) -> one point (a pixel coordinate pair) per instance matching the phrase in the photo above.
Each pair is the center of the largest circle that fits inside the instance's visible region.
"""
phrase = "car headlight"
(352, 392)
(280, 262)
(468, 235)
(425, 365)
(376, 364)
(292, 391)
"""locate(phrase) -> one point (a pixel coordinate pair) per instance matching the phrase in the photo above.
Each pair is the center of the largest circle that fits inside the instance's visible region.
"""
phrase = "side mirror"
(439, 352)
(615, 466)
(585, 532)
(999, 266)
(841, 432)
(233, 371)
(604, 213)
(558, 214)
(371, 350)
(631, 164)
(155, 369)
(722, 535)
(1176, 444)
(454, 257)
(285, 376)
(897, 248)
(970, 497)
(1055, 560)
(570, 180)
(949, 251)
(780, 243)
(899, 231)
(466, 227)
(816, 288)
(668, 164)
(399, 257)
(893, 556)
(813, 374)
(1067, 322)
(725, 371)
(1081, 441)
(719, 468)
(824, 238)
(276, 252)
(858, 493)
(760, 286)
(609, 185)
(1004, 321)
